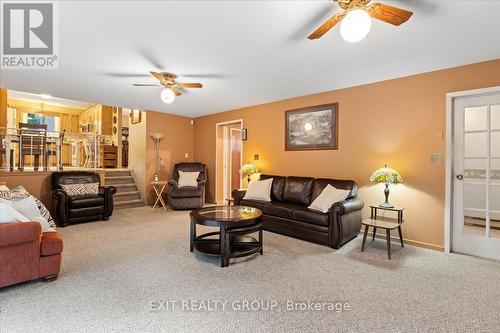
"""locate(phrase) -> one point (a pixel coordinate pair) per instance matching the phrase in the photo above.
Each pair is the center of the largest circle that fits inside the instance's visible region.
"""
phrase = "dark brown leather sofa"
(71, 209)
(288, 214)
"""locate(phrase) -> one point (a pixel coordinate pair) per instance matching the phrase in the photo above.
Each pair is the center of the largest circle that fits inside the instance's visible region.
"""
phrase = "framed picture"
(135, 116)
(244, 133)
(312, 128)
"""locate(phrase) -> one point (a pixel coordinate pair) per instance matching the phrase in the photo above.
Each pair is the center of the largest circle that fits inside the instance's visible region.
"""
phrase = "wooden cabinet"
(100, 119)
(109, 157)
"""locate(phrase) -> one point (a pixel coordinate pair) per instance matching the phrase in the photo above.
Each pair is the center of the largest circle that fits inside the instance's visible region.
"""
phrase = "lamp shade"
(248, 169)
(386, 175)
(157, 136)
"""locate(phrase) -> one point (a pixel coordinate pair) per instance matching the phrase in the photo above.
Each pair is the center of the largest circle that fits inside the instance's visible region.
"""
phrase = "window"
(52, 122)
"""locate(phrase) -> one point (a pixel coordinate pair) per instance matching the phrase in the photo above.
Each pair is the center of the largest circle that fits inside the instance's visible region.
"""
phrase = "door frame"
(449, 177)
(217, 125)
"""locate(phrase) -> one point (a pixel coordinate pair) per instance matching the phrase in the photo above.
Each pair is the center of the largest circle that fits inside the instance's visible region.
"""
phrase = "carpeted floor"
(118, 275)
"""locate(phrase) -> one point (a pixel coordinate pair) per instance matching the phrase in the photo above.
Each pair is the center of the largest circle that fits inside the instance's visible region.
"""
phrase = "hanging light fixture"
(356, 25)
(167, 96)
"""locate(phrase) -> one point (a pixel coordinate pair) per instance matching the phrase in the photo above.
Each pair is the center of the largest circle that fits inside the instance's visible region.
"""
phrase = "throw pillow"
(19, 193)
(81, 189)
(29, 208)
(327, 198)
(4, 188)
(188, 178)
(9, 214)
(259, 190)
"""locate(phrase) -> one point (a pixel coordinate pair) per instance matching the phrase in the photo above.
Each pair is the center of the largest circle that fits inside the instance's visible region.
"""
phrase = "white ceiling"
(247, 52)
(41, 99)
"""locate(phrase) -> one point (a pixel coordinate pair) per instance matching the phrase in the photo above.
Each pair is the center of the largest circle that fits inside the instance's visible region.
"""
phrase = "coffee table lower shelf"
(241, 245)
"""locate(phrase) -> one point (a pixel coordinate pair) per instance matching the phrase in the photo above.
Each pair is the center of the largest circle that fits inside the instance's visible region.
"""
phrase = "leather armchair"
(71, 209)
(187, 197)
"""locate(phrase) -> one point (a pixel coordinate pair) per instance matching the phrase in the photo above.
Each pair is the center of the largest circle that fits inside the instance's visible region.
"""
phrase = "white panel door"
(476, 190)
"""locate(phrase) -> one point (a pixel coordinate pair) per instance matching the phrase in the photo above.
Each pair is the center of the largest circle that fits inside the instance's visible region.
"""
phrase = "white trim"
(448, 203)
(217, 151)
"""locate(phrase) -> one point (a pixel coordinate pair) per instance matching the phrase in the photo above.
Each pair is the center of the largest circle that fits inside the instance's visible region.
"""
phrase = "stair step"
(124, 187)
(129, 203)
(117, 173)
(119, 180)
(126, 196)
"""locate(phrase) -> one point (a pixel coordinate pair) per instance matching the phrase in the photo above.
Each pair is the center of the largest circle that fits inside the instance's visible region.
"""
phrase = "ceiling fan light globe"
(167, 96)
(355, 26)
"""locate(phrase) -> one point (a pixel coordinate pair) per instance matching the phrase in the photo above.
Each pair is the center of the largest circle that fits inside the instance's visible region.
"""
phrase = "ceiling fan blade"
(156, 75)
(146, 85)
(176, 91)
(393, 15)
(323, 29)
(190, 85)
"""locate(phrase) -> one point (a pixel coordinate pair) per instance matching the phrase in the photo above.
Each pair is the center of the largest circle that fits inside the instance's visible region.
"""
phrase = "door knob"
(460, 177)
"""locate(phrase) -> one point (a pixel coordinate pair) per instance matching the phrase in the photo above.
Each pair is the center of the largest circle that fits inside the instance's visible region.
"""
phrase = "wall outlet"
(256, 157)
(162, 162)
(186, 155)
(439, 135)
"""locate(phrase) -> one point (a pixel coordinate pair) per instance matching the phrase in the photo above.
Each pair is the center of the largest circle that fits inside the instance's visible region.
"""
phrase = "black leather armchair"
(71, 209)
(187, 197)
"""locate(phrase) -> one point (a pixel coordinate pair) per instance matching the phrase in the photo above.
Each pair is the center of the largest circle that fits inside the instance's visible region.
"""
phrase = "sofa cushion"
(254, 203)
(298, 190)
(320, 184)
(309, 216)
(281, 209)
(277, 188)
(82, 201)
(51, 244)
(186, 192)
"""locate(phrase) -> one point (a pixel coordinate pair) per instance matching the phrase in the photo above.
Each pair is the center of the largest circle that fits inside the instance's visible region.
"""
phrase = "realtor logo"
(29, 34)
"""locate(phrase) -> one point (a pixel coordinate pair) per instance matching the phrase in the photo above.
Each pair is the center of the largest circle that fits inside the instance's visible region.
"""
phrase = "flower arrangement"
(248, 169)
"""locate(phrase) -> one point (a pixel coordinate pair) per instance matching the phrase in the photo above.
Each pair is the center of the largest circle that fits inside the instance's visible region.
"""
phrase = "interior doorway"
(229, 157)
(474, 174)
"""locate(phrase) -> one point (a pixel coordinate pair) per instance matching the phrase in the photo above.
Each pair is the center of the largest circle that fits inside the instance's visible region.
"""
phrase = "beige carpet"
(113, 270)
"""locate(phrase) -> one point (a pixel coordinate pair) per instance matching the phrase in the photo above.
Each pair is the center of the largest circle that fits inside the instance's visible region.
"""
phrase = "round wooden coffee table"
(232, 239)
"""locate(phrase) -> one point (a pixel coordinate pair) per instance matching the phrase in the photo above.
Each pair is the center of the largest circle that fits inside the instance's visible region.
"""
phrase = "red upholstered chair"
(28, 254)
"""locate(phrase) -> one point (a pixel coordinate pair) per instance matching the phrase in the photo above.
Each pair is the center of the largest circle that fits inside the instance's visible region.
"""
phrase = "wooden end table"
(159, 187)
(386, 225)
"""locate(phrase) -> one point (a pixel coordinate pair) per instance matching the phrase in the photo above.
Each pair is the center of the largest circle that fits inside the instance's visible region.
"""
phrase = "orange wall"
(177, 142)
(398, 122)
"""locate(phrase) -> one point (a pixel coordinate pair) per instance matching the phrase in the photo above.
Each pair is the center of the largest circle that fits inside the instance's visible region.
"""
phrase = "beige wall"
(398, 122)
(177, 142)
(137, 152)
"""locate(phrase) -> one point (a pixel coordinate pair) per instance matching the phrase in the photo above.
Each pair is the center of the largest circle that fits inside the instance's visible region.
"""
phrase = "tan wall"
(3, 107)
(177, 142)
(398, 122)
(137, 152)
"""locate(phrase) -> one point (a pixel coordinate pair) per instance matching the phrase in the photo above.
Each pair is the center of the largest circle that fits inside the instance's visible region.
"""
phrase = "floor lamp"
(157, 138)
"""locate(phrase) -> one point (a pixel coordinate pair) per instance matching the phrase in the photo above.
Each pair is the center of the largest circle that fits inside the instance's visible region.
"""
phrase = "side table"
(386, 225)
(159, 187)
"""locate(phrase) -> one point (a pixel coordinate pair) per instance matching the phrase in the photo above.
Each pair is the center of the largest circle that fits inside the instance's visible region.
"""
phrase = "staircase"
(127, 194)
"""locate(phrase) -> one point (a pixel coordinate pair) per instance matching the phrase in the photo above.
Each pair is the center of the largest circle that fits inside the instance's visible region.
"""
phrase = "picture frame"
(135, 116)
(244, 133)
(312, 128)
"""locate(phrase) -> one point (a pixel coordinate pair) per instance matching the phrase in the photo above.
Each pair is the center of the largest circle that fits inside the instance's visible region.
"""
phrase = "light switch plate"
(437, 158)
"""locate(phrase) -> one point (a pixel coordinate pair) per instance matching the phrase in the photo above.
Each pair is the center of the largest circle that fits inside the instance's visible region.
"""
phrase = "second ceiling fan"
(356, 18)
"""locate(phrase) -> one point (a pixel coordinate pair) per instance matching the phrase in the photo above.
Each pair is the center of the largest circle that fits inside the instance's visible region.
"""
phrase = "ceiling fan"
(172, 87)
(356, 22)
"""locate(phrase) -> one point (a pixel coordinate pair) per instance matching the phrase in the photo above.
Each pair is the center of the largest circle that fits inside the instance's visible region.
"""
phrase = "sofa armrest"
(347, 206)
(202, 183)
(17, 233)
(60, 194)
(107, 190)
(238, 196)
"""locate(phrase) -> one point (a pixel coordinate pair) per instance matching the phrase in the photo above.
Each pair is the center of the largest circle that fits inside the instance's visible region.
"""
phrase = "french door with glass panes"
(476, 190)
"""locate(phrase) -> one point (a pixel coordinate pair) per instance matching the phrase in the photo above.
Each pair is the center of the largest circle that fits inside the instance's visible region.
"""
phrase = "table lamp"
(386, 175)
(248, 169)
(157, 138)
